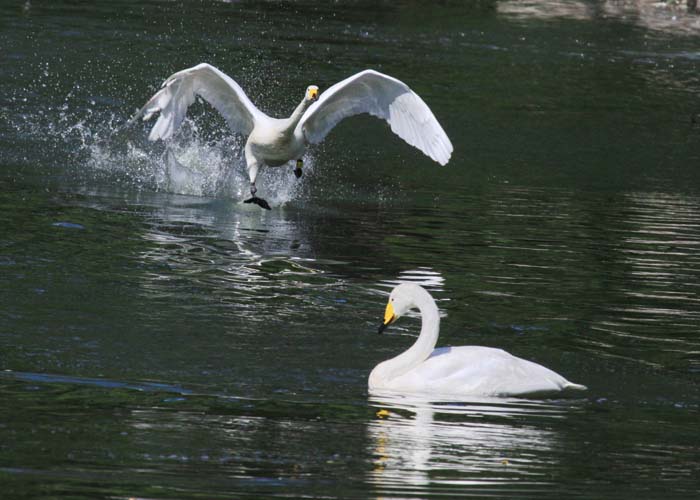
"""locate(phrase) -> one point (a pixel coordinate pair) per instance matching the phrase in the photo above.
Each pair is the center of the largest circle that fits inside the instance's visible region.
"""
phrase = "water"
(160, 339)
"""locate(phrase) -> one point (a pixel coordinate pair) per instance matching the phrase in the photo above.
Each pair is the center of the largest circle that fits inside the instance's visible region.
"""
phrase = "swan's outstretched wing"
(179, 91)
(384, 97)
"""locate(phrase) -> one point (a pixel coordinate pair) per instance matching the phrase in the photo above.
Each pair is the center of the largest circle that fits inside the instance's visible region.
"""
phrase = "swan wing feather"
(382, 96)
(179, 91)
(485, 371)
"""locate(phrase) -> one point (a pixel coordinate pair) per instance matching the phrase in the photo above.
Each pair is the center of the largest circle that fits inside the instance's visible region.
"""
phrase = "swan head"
(401, 300)
(311, 93)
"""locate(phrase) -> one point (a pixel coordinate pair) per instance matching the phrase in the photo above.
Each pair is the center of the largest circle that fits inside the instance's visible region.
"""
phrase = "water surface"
(164, 340)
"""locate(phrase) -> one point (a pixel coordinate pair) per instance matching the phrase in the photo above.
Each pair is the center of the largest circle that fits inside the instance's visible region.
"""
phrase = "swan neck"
(298, 113)
(422, 348)
(430, 328)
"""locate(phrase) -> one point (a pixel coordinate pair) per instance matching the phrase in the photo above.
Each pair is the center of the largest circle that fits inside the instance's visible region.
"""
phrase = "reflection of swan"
(240, 256)
(273, 141)
(466, 370)
(420, 446)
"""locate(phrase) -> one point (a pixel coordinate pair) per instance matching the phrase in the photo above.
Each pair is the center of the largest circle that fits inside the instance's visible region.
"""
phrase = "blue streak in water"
(69, 225)
(104, 383)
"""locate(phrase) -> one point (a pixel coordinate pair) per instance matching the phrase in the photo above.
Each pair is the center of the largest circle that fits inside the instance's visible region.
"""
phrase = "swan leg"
(297, 170)
(253, 168)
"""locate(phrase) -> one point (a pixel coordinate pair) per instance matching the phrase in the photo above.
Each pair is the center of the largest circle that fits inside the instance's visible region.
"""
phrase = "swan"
(464, 370)
(273, 141)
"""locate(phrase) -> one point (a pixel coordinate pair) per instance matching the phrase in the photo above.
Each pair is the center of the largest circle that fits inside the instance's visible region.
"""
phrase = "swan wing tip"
(443, 159)
(443, 153)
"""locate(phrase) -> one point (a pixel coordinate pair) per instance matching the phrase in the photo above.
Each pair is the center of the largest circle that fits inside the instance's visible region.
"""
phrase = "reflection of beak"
(389, 317)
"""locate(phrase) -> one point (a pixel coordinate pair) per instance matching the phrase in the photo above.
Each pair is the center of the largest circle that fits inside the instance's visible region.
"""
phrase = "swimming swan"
(464, 370)
(274, 142)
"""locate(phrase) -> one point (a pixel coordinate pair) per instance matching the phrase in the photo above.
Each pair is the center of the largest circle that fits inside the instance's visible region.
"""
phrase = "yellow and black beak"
(313, 94)
(389, 317)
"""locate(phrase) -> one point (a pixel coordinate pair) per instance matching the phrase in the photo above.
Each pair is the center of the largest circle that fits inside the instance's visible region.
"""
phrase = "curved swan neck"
(421, 348)
(430, 327)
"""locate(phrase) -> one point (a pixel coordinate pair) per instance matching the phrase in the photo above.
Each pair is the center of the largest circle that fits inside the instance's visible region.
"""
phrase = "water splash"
(85, 138)
(191, 164)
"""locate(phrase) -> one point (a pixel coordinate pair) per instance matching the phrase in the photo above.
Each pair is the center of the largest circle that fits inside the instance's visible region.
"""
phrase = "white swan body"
(274, 142)
(465, 370)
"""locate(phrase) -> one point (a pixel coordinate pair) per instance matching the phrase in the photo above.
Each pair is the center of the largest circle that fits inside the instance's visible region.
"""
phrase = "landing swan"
(464, 370)
(274, 142)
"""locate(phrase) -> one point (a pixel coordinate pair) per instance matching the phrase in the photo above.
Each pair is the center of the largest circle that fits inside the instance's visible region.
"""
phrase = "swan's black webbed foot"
(254, 199)
(259, 202)
(297, 171)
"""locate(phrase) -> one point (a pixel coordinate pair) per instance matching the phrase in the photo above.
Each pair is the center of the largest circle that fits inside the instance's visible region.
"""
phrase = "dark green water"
(171, 342)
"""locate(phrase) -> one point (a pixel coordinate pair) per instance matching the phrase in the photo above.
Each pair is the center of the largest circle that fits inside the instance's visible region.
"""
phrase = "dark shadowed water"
(160, 339)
